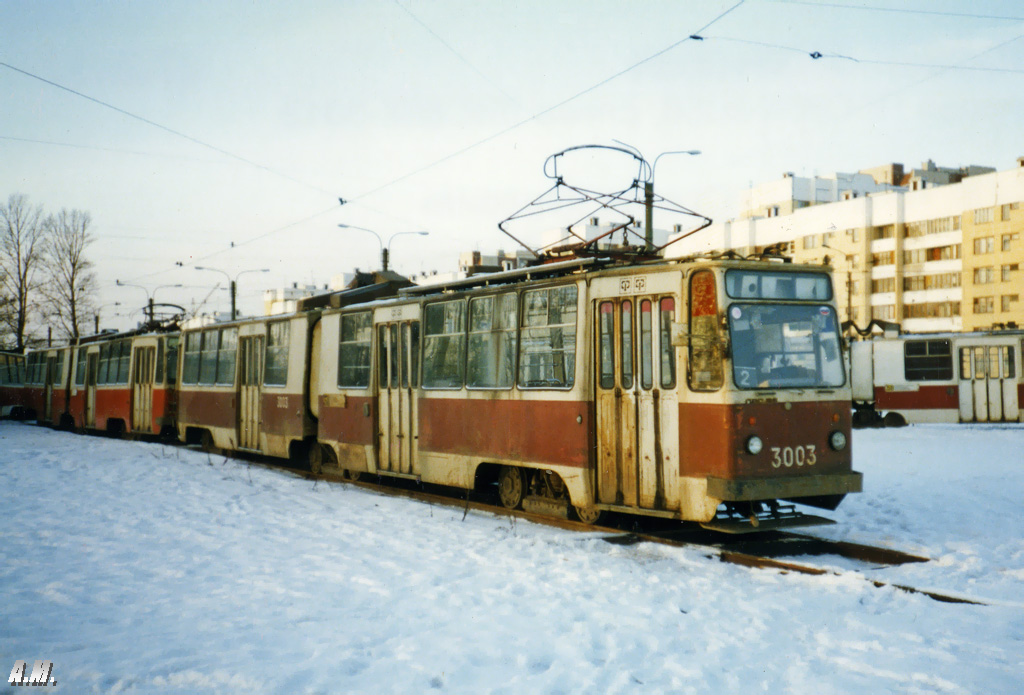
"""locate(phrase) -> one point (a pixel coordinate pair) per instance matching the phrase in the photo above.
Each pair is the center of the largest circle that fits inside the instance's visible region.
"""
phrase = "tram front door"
(637, 406)
(397, 377)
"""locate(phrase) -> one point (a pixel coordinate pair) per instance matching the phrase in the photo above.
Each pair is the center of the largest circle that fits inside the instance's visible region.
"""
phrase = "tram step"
(761, 524)
(544, 505)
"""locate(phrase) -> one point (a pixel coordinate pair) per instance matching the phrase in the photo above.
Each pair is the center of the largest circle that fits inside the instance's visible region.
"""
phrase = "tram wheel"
(510, 487)
(316, 458)
(206, 442)
(588, 515)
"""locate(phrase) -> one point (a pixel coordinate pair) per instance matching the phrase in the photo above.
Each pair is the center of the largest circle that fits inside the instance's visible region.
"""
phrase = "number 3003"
(789, 455)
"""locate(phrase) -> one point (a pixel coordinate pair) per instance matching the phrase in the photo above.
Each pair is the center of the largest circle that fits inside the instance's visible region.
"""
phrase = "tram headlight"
(837, 440)
(754, 444)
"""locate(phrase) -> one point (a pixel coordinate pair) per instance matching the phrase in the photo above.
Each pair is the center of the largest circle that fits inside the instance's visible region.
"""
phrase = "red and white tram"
(46, 383)
(243, 385)
(12, 384)
(681, 389)
(938, 377)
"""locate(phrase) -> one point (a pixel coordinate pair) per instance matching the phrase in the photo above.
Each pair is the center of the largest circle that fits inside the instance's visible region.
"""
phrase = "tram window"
(965, 364)
(382, 356)
(414, 354)
(993, 362)
(171, 359)
(547, 350)
(158, 377)
(208, 358)
(1009, 371)
(275, 371)
(80, 367)
(646, 345)
(666, 350)
(980, 363)
(927, 360)
(396, 359)
(761, 284)
(706, 371)
(354, 350)
(124, 360)
(607, 345)
(491, 350)
(405, 354)
(227, 355)
(444, 341)
(190, 362)
(626, 339)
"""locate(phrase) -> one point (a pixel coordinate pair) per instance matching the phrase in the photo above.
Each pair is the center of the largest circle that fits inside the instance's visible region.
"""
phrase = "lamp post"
(149, 295)
(96, 316)
(385, 249)
(649, 197)
(849, 280)
(234, 283)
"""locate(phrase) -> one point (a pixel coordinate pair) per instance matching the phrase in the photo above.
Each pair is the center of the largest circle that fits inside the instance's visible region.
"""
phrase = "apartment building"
(934, 249)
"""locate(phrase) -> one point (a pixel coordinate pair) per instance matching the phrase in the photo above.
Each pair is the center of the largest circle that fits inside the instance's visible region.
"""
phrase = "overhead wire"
(162, 127)
(899, 10)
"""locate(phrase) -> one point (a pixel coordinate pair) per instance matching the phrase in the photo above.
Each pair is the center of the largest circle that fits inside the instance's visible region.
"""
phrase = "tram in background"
(938, 377)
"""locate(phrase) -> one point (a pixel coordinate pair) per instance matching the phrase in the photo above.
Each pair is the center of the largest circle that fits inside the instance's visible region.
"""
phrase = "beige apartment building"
(934, 249)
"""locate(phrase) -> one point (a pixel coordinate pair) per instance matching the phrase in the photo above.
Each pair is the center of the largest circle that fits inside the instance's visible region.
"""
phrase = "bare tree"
(22, 237)
(70, 286)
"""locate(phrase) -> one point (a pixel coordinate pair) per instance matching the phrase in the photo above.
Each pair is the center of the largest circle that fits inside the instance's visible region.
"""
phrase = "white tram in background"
(677, 389)
(938, 377)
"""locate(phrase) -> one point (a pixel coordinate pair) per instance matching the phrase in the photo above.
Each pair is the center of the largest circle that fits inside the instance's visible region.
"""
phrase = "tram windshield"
(785, 346)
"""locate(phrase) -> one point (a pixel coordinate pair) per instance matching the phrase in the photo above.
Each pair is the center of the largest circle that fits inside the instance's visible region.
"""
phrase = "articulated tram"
(708, 389)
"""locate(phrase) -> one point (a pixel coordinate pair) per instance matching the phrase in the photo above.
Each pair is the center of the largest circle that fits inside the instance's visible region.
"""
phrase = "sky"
(223, 133)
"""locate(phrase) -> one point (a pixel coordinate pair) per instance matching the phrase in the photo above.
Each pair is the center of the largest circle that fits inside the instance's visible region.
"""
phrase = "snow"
(140, 568)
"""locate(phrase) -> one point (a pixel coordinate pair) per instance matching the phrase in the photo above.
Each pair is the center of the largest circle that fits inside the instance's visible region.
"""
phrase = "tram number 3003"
(789, 455)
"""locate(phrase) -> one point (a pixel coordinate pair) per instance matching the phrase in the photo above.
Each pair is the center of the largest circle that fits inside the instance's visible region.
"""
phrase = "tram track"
(762, 552)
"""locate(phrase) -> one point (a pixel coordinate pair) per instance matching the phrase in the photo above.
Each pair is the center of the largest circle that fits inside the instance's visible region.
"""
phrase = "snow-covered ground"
(139, 568)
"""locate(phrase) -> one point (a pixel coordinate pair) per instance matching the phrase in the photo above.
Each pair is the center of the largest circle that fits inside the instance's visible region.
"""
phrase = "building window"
(1007, 272)
(883, 285)
(884, 258)
(939, 253)
(985, 244)
(885, 232)
(983, 276)
(811, 241)
(885, 312)
(931, 310)
(1007, 301)
(1008, 240)
(937, 281)
(982, 215)
(984, 305)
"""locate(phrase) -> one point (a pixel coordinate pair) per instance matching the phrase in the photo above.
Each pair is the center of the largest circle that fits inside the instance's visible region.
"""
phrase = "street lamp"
(149, 294)
(385, 250)
(234, 282)
(96, 315)
(849, 280)
(648, 196)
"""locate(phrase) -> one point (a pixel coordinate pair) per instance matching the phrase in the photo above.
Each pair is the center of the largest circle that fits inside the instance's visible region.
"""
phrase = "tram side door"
(397, 376)
(51, 377)
(988, 388)
(250, 354)
(92, 363)
(636, 403)
(142, 388)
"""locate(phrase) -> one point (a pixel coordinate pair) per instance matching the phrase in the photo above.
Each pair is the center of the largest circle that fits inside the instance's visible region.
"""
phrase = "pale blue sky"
(341, 98)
